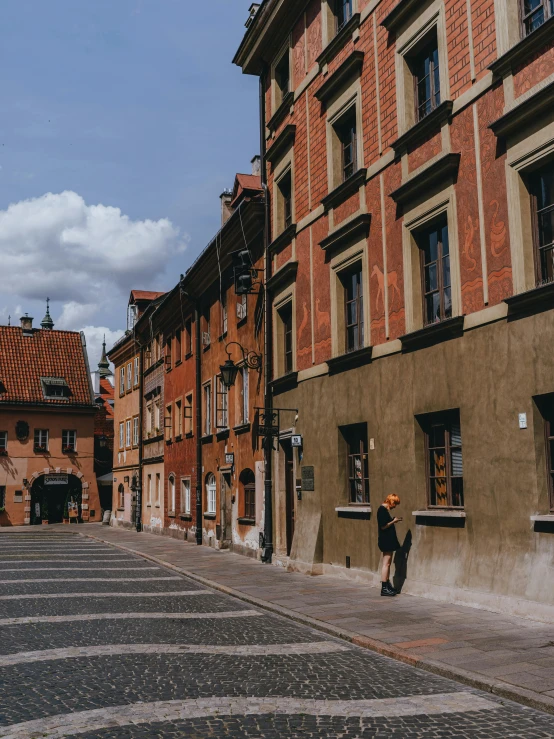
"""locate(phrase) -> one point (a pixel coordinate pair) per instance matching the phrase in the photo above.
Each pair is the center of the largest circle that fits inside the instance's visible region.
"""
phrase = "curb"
(472, 679)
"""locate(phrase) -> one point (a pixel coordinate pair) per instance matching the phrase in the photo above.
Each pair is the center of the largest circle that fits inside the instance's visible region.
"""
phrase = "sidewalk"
(511, 657)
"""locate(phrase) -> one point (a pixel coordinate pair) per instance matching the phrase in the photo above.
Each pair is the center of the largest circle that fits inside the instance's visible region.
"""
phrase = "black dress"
(388, 541)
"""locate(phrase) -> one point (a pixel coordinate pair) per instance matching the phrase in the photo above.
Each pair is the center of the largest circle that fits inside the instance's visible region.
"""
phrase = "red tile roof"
(25, 359)
(245, 183)
(145, 295)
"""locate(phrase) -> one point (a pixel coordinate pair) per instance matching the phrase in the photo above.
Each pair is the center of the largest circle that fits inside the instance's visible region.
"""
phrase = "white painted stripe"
(92, 579)
(77, 569)
(22, 620)
(109, 650)
(37, 596)
(62, 561)
(182, 710)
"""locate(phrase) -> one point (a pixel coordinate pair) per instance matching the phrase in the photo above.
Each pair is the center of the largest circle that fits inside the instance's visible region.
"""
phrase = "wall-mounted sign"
(55, 479)
(308, 479)
(229, 458)
(523, 420)
(296, 441)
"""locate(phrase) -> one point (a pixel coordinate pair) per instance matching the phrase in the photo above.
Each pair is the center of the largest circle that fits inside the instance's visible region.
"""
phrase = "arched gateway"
(56, 496)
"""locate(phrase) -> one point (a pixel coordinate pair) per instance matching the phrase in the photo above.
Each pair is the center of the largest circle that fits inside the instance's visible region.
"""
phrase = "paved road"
(99, 643)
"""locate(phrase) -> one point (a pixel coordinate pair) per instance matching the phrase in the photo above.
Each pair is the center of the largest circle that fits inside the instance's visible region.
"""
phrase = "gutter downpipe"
(198, 393)
(267, 553)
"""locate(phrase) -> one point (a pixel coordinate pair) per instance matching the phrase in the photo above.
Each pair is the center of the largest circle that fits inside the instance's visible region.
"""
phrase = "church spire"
(47, 322)
(103, 364)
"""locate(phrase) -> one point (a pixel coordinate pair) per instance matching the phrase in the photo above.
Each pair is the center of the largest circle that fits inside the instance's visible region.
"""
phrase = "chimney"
(257, 165)
(226, 210)
(27, 324)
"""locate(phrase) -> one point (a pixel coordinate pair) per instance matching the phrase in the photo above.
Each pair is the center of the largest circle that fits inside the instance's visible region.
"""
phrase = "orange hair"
(392, 499)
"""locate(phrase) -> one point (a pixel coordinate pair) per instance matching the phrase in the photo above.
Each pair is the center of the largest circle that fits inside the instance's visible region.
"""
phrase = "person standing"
(388, 541)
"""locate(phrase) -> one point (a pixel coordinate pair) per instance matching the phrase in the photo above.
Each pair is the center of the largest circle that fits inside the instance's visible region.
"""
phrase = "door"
(289, 494)
(226, 510)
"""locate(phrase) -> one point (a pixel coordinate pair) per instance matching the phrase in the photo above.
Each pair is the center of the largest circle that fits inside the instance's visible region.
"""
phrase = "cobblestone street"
(101, 643)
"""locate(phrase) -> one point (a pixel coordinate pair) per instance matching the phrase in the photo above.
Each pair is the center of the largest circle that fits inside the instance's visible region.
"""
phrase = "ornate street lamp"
(229, 370)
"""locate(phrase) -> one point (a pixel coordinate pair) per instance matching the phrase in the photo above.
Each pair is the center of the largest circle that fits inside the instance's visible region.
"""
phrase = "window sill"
(242, 428)
(283, 277)
(525, 113)
(188, 355)
(284, 239)
(247, 521)
(536, 300)
(339, 40)
(222, 435)
(438, 513)
(281, 144)
(171, 514)
(210, 516)
(362, 512)
(281, 112)
(152, 367)
(548, 518)
(178, 362)
(448, 518)
(524, 49)
(351, 360)
(152, 439)
(207, 439)
(424, 127)
(189, 435)
(348, 69)
(345, 189)
(179, 437)
(343, 236)
(207, 347)
(435, 333)
(186, 516)
(223, 336)
(285, 383)
(443, 168)
(120, 510)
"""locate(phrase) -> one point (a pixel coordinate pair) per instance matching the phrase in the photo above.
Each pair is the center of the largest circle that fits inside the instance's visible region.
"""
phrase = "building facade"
(47, 416)
(103, 389)
(409, 160)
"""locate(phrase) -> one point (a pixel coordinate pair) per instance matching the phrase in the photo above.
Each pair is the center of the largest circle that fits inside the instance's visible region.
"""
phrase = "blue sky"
(127, 104)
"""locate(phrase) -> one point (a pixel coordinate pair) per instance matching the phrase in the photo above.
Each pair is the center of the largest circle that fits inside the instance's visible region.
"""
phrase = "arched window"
(247, 481)
(121, 496)
(172, 493)
(211, 492)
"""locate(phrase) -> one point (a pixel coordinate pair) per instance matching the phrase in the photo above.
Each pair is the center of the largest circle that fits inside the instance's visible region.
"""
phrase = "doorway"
(289, 494)
(51, 496)
(226, 511)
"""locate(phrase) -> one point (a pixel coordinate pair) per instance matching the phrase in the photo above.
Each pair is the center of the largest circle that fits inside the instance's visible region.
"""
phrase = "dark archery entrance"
(55, 498)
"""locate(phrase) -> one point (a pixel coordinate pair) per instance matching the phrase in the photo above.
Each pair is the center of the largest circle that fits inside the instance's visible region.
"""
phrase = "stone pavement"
(130, 649)
(509, 656)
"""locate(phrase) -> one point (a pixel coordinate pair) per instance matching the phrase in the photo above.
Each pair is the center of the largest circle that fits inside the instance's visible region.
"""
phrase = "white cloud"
(94, 336)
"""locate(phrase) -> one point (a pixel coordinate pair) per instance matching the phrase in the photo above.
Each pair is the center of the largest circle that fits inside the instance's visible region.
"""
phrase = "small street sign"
(296, 441)
(229, 458)
(55, 480)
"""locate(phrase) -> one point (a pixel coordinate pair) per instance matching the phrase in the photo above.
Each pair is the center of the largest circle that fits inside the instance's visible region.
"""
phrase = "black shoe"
(385, 590)
(391, 587)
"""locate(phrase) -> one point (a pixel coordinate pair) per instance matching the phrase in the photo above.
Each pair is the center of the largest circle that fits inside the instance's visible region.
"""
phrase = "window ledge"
(281, 111)
(354, 230)
(171, 514)
(549, 518)
(351, 360)
(333, 84)
(247, 521)
(210, 516)
(152, 439)
(424, 127)
(179, 437)
(281, 144)
(222, 435)
(284, 239)
(178, 362)
(285, 383)
(283, 276)
(399, 14)
(152, 367)
(185, 516)
(524, 49)
(436, 513)
(354, 511)
(189, 435)
(207, 439)
(242, 428)
(435, 333)
(444, 167)
(188, 355)
(525, 113)
(339, 40)
(531, 301)
(345, 189)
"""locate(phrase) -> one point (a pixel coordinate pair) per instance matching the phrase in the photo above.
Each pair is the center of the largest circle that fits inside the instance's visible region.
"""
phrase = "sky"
(121, 122)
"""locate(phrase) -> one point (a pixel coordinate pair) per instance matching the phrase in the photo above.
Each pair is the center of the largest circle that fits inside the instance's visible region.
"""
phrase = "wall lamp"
(229, 370)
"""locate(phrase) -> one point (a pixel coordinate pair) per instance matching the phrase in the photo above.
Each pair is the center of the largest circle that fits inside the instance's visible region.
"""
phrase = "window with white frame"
(41, 440)
(207, 402)
(149, 490)
(122, 435)
(222, 404)
(158, 489)
(129, 376)
(128, 433)
(157, 417)
(136, 371)
(135, 431)
(243, 396)
(178, 419)
(211, 493)
(171, 491)
(224, 317)
(185, 496)
(122, 380)
(69, 440)
(242, 308)
(188, 414)
(168, 423)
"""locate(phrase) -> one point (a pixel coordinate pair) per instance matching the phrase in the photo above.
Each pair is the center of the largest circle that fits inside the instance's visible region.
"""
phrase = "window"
(171, 486)
(224, 318)
(178, 346)
(206, 336)
(542, 202)
(211, 493)
(343, 12)
(357, 463)
(55, 388)
(222, 405)
(284, 196)
(122, 380)
(207, 409)
(3, 443)
(121, 435)
(243, 396)
(185, 496)
(128, 433)
(135, 431)
(2, 496)
(157, 417)
(149, 490)
(178, 419)
(534, 13)
(282, 78)
(545, 404)
(247, 482)
(136, 371)
(121, 497)
(158, 489)
(168, 357)
(435, 274)
(425, 69)
(69, 441)
(345, 129)
(352, 281)
(148, 419)
(188, 337)
(443, 448)
(129, 376)
(285, 314)
(188, 415)
(41, 440)
(168, 423)
(242, 308)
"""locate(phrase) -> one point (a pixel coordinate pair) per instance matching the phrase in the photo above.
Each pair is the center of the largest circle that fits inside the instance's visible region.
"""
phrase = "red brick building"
(409, 159)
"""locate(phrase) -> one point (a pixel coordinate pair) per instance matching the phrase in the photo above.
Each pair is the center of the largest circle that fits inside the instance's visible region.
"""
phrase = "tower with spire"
(47, 323)
(103, 365)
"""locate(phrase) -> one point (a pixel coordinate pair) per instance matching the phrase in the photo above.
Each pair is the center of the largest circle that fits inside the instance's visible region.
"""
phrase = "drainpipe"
(267, 554)
(138, 508)
(198, 393)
